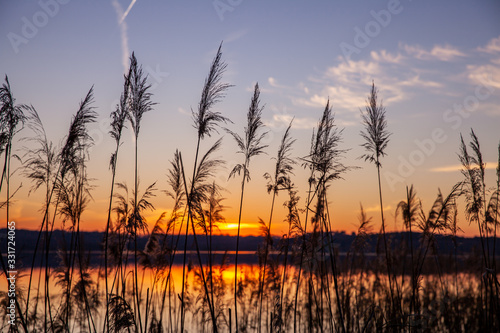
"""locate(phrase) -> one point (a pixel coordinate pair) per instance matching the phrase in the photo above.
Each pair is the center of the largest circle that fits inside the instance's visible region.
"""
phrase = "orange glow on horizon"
(27, 216)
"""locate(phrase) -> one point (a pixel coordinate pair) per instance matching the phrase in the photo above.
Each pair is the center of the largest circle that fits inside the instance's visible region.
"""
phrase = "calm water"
(163, 291)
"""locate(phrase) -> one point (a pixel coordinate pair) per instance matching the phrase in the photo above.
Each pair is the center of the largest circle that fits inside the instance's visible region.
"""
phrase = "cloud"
(347, 98)
(384, 56)
(234, 36)
(274, 83)
(459, 167)
(490, 109)
(346, 71)
(301, 123)
(376, 208)
(399, 76)
(283, 120)
(184, 112)
(438, 52)
(488, 74)
(347, 84)
(492, 47)
(415, 81)
(484, 75)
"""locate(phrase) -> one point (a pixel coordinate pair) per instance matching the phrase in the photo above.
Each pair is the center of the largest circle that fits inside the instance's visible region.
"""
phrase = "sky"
(436, 65)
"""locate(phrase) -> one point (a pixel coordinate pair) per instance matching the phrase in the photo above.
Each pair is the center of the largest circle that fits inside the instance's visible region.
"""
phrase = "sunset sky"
(436, 65)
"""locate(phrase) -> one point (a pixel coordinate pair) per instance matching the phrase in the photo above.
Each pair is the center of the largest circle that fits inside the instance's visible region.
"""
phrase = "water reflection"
(160, 296)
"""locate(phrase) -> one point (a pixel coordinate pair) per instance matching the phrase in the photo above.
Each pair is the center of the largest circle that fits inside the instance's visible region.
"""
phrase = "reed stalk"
(249, 146)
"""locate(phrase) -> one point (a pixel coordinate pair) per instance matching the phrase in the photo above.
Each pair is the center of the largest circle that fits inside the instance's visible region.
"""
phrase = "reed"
(484, 213)
(11, 117)
(72, 188)
(376, 137)
(250, 145)
(139, 103)
(324, 164)
(278, 181)
(118, 118)
(384, 283)
(206, 122)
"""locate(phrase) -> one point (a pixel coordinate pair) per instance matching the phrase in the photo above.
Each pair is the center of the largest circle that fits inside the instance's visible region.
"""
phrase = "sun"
(233, 226)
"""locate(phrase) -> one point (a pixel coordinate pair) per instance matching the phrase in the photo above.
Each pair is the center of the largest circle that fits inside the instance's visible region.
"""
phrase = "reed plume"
(206, 121)
(40, 166)
(139, 103)
(278, 181)
(250, 146)
(484, 213)
(376, 137)
(72, 188)
(118, 118)
(11, 117)
(411, 211)
(324, 164)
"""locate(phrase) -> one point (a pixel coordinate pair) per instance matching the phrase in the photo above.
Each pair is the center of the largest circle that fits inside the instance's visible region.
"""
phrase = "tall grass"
(250, 145)
(118, 116)
(139, 103)
(484, 213)
(206, 122)
(376, 138)
(11, 117)
(40, 164)
(278, 181)
(302, 283)
(325, 166)
(72, 193)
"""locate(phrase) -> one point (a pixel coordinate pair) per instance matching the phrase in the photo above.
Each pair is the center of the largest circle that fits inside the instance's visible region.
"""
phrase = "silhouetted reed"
(11, 117)
(278, 181)
(325, 166)
(414, 286)
(250, 146)
(72, 189)
(377, 136)
(484, 213)
(206, 122)
(139, 102)
(118, 118)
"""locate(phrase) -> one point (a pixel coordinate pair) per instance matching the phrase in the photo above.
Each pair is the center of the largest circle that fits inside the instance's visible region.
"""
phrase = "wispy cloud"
(346, 71)
(415, 81)
(384, 56)
(487, 74)
(458, 167)
(376, 208)
(183, 111)
(484, 75)
(438, 52)
(283, 120)
(399, 75)
(346, 84)
(274, 83)
(234, 36)
(493, 46)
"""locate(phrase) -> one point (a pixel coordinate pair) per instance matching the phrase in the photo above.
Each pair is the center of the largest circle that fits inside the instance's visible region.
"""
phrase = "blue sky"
(436, 65)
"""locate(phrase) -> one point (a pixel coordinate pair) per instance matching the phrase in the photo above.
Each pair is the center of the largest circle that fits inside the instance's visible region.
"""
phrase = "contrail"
(123, 30)
(127, 11)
